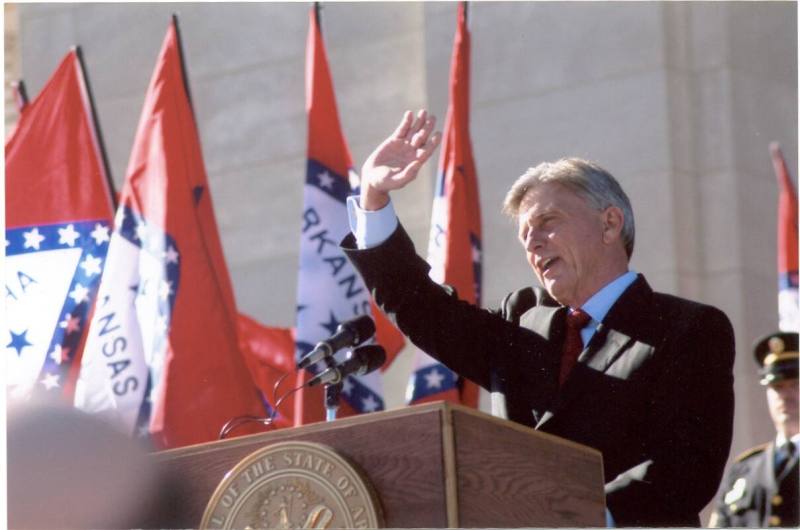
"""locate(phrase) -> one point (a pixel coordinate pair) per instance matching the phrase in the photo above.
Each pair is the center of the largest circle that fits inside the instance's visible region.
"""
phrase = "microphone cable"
(268, 421)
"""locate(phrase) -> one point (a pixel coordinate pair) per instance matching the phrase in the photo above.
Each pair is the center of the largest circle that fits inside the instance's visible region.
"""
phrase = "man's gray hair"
(586, 178)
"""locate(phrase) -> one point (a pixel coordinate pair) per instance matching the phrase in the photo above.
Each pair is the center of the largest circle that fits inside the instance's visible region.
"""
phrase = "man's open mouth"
(547, 263)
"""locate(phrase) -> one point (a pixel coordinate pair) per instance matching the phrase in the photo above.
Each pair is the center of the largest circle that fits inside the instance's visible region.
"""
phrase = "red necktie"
(573, 344)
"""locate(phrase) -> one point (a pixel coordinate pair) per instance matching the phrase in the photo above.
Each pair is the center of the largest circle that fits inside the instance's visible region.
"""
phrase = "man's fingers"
(405, 123)
(425, 152)
(421, 136)
(419, 122)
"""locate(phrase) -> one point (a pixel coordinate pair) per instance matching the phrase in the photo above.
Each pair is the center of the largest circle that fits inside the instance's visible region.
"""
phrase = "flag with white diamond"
(329, 290)
(454, 246)
(58, 218)
(162, 356)
(788, 311)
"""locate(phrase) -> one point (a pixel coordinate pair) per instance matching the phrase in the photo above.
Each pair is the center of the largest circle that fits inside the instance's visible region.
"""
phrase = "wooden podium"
(436, 465)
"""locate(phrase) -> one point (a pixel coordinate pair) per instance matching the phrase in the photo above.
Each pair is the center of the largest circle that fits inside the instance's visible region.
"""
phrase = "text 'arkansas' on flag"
(329, 289)
(58, 218)
(162, 355)
(454, 246)
(788, 311)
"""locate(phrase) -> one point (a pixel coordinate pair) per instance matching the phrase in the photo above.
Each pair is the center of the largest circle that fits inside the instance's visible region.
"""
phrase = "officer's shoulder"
(750, 453)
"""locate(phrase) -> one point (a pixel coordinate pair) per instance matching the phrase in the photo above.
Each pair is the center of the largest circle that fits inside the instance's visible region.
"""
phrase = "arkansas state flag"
(788, 312)
(454, 247)
(329, 290)
(162, 355)
(58, 218)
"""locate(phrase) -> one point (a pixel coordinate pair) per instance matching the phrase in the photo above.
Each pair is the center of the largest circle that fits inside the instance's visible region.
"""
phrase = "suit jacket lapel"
(546, 321)
(609, 340)
(606, 346)
(615, 331)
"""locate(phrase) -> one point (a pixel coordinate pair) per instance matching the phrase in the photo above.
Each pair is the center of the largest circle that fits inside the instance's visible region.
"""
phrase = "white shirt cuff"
(371, 228)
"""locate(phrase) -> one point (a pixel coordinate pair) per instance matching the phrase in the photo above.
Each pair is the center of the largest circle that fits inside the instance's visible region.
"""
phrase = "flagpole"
(101, 146)
(20, 94)
(317, 12)
(182, 56)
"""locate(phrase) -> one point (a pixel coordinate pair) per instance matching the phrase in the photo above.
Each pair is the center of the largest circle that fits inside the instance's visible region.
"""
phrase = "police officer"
(760, 488)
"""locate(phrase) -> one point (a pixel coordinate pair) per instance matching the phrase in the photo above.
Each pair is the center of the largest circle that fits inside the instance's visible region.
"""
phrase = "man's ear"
(613, 219)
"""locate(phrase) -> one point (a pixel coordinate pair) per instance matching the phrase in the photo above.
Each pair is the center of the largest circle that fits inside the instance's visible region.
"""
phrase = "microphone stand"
(332, 394)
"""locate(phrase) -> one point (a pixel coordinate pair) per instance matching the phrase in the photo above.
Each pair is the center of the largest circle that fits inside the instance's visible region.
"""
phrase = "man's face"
(782, 401)
(563, 236)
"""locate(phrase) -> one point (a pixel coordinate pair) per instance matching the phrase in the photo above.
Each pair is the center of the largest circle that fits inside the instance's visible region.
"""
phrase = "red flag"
(269, 353)
(454, 248)
(330, 291)
(162, 354)
(788, 312)
(58, 217)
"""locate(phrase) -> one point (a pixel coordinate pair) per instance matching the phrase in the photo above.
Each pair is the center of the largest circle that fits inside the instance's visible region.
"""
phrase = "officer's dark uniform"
(760, 488)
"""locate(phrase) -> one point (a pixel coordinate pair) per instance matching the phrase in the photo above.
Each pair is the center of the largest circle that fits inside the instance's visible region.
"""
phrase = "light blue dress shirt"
(370, 227)
(600, 303)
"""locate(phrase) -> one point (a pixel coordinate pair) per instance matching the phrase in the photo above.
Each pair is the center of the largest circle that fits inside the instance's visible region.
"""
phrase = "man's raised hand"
(396, 161)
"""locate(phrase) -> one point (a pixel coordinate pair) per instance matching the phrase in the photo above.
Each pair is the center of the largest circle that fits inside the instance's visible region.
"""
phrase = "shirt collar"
(781, 439)
(600, 302)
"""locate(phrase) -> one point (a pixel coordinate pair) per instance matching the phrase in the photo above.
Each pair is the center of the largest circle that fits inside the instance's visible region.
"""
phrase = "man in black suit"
(760, 489)
(595, 356)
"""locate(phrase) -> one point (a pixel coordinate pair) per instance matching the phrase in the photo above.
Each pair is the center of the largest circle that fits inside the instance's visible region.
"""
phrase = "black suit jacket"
(653, 390)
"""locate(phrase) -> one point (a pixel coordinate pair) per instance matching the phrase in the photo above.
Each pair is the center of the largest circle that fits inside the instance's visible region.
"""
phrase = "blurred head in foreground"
(67, 469)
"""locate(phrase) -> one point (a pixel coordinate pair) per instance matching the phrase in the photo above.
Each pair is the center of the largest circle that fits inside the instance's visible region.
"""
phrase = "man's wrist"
(372, 199)
(371, 228)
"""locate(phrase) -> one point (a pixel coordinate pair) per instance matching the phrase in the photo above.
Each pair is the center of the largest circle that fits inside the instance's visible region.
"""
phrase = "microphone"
(360, 361)
(350, 333)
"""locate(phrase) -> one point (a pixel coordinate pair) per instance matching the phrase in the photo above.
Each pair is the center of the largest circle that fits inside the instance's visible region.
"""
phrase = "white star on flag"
(434, 379)
(91, 265)
(141, 231)
(50, 381)
(164, 289)
(68, 235)
(171, 255)
(58, 354)
(33, 239)
(143, 431)
(70, 323)
(476, 255)
(325, 180)
(100, 234)
(369, 404)
(347, 386)
(80, 293)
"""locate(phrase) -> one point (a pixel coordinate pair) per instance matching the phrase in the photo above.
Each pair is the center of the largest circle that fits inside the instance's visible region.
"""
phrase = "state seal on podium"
(293, 485)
